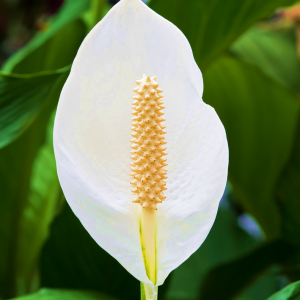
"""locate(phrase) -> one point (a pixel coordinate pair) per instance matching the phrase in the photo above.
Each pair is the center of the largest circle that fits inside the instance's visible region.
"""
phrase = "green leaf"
(260, 118)
(27, 101)
(72, 259)
(291, 292)
(211, 26)
(21, 100)
(233, 277)
(274, 52)
(55, 47)
(22, 96)
(29, 186)
(24, 211)
(44, 201)
(48, 294)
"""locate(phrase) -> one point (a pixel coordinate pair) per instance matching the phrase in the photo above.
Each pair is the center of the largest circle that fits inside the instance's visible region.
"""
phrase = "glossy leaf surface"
(24, 210)
(21, 100)
(260, 117)
(274, 52)
(28, 176)
(291, 292)
(211, 26)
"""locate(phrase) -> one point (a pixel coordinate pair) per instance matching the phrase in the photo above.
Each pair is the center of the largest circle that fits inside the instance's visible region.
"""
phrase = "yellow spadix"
(148, 144)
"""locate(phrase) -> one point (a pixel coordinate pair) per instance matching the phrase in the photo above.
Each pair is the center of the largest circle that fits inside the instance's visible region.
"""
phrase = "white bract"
(93, 131)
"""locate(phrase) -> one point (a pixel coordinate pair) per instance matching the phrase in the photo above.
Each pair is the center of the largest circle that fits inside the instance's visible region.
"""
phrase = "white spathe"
(92, 139)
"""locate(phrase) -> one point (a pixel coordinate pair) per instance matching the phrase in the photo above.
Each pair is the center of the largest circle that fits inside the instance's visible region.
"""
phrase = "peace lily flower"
(166, 144)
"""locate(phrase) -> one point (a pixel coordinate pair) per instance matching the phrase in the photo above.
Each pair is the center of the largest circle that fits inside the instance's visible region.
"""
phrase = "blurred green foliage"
(251, 77)
(47, 294)
(291, 292)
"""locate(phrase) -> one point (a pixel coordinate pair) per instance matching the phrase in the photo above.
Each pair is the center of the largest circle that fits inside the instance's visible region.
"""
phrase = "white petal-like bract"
(92, 139)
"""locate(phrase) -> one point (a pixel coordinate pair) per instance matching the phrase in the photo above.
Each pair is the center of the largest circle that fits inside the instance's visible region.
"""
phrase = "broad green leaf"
(291, 292)
(227, 280)
(27, 105)
(274, 52)
(71, 259)
(211, 26)
(28, 205)
(44, 201)
(22, 96)
(21, 100)
(260, 118)
(55, 47)
(48, 294)
(24, 211)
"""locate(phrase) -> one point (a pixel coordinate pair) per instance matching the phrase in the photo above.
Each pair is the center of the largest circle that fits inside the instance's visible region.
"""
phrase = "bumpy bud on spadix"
(148, 150)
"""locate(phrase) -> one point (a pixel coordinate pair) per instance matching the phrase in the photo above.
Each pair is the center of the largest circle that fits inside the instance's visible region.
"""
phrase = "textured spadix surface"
(148, 143)
(93, 131)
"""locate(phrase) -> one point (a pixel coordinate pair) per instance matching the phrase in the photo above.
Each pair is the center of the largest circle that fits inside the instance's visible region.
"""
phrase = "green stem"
(97, 10)
(148, 292)
(148, 243)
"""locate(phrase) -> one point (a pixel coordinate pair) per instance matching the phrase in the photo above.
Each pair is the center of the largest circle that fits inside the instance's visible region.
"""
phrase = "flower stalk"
(148, 242)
